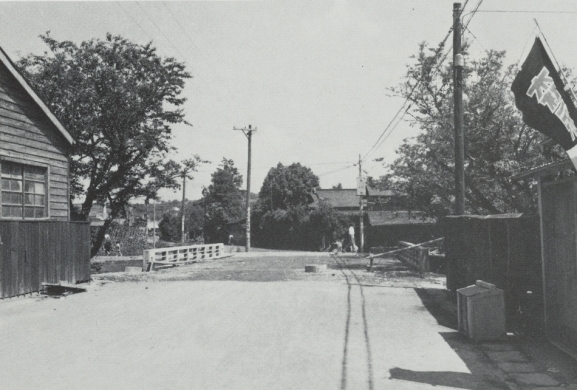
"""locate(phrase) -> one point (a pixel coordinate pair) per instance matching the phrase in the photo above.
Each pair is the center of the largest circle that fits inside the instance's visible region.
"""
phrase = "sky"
(312, 77)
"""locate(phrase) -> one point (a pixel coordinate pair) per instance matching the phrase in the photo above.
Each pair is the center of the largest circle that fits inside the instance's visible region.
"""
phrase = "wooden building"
(34, 152)
(558, 214)
(39, 244)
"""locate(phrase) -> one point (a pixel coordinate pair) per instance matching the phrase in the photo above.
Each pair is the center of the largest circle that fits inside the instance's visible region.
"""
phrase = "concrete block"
(316, 268)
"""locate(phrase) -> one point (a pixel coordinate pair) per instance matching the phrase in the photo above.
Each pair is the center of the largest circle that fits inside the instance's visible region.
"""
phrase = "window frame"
(34, 164)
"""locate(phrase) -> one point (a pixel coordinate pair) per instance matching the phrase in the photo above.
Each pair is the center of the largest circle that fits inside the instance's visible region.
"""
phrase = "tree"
(118, 100)
(282, 217)
(224, 200)
(287, 186)
(498, 144)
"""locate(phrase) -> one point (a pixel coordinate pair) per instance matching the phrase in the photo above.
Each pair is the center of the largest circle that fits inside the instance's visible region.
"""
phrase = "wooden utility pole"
(183, 198)
(458, 63)
(248, 134)
(361, 216)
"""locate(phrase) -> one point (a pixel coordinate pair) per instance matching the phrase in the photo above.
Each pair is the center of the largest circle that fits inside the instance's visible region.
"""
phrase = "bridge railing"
(179, 255)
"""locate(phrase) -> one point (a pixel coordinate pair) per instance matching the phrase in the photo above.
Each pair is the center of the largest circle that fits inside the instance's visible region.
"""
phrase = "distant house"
(39, 242)
(347, 201)
(386, 218)
(34, 153)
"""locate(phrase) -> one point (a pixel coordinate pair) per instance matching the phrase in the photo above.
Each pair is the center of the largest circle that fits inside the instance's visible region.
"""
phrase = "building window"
(23, 191)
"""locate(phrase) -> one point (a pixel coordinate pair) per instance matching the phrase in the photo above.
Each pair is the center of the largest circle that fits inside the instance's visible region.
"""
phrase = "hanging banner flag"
(546, 106)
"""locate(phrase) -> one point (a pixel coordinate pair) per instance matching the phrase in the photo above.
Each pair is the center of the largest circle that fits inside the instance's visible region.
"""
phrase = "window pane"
(11, 198)
(5, 184)
(34, 187)
(39, 200)
(34, 173)
(16, 211)
(29, 187)
(28, 199)
(39, 188)
(16, 185)
(39, 212)
(29, 212)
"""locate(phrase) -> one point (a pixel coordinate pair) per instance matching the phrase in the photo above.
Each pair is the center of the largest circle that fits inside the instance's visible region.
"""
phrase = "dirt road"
(329, 332)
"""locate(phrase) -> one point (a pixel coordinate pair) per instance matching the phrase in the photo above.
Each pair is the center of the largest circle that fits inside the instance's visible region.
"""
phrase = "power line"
(336, 170)
(380, 139)
(528, 12)
(135, 22)
(473, 14)
(476, 39)
(158, 28)
(180, 25)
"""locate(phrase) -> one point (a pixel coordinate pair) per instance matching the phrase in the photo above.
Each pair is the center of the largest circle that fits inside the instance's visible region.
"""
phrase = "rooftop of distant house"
(347, 197)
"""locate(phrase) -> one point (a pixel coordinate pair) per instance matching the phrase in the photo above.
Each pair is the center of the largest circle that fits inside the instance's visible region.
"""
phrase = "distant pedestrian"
(108, 247)
(118, 248)
(352, 238)
(230, 238)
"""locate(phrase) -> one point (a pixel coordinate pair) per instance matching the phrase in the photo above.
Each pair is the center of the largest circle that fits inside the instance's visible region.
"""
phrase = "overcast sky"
(312, 76)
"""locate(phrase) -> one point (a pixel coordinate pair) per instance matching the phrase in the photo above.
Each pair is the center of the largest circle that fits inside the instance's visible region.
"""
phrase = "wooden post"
(248, 134)
(361, 219)
(458, 64)
(182, 211)
(540, 200)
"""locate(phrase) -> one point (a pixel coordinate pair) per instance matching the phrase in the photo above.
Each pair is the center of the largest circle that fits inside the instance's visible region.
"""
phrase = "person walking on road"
(352, 238)
(119, 253)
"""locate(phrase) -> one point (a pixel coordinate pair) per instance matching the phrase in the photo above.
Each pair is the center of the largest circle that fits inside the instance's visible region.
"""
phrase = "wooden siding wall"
(28, 136)
(34, 252)
(502, 251)
(560, 261)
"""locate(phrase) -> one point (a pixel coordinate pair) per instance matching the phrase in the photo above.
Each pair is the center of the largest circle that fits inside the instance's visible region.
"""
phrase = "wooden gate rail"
(179, 255)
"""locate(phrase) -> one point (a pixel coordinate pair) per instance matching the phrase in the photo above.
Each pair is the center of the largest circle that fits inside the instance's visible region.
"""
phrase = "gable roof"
(339, 197)
(382, 218)
(347, 197)
(7, 62)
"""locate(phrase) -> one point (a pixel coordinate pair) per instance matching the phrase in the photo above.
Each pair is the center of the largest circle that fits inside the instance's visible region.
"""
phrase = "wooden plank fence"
(179, 255)
(36, 252)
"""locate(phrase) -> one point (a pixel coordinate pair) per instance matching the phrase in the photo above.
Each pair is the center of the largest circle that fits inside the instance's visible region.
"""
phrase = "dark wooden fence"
(501, 249)
(36, 252)
(559, 202)
(390, 235)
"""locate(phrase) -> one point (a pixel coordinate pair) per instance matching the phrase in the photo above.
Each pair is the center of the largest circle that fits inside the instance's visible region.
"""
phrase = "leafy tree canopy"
(287, 186)
(224, 200)
(498, 144)
(118, 99)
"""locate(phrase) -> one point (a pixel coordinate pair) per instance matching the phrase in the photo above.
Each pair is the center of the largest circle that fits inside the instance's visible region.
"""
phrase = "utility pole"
(154, 224)
(458, 63)
(248, 134)
(361, 193)
(183, 197)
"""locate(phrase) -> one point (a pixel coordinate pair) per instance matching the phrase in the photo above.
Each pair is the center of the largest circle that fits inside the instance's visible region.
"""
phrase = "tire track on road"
(342, 263)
